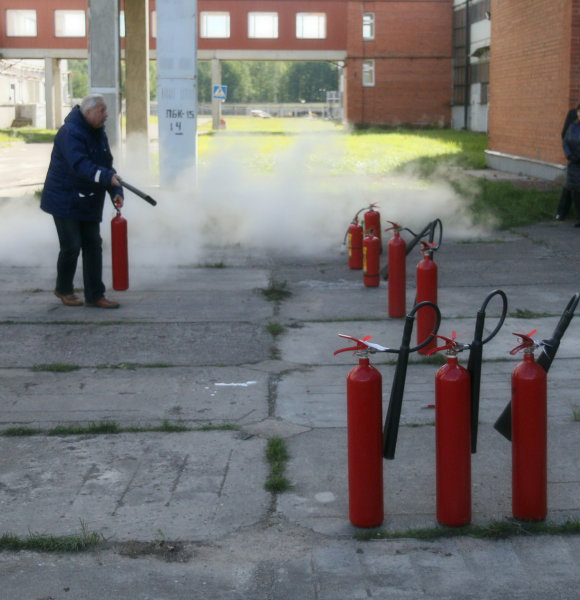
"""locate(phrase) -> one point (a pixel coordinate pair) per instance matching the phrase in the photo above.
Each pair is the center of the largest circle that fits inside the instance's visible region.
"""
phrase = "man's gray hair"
(91, 101)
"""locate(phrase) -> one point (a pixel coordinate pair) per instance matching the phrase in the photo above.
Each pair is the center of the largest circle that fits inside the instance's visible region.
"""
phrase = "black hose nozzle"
(475, 359)
(504, 422)
(139, 193)
(391, 427)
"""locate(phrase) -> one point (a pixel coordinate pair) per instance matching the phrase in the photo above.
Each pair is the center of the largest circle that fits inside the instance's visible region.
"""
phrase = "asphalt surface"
(185, 514)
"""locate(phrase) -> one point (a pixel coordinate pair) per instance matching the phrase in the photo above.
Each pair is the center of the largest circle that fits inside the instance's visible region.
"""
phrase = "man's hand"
(116, 180)
(118, 201)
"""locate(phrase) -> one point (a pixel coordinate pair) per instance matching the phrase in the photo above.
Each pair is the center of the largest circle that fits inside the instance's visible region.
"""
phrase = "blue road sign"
(220, 92)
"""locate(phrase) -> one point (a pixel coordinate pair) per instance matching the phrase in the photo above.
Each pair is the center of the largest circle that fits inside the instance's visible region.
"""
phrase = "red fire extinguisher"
(364, 393)
(529, 435)
(355, 243)
(372, 221)
(397, 274)
(453, 438)
(371, 259)
(426, 291)
(120, 252)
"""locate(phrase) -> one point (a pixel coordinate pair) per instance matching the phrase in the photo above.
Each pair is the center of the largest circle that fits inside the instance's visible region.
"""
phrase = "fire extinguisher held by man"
(79, 175)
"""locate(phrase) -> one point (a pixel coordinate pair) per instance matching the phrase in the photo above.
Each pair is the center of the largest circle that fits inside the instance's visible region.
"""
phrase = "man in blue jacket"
(80, 173)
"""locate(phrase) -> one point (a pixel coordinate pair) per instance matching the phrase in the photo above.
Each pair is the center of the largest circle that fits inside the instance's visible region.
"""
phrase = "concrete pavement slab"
(133, 397)
(129, 486)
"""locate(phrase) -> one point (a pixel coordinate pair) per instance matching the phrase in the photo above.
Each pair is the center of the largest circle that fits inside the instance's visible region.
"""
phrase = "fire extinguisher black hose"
(429, 230)
(139, 193)
(475, 358)
(391, 427)
(504, 422)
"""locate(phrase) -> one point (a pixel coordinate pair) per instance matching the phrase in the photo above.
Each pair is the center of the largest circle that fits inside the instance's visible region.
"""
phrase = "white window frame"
(21, 23)
(310, 26)
(221, 21)
(368, 72)
(60, 23)
(368, 26)
(257, 20)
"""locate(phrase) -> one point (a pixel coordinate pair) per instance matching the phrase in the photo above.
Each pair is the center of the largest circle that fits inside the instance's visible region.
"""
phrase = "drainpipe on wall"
(467, 65)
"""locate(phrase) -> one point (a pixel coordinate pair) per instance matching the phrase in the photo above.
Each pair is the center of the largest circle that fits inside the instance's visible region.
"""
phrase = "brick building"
(399, 66)
(396, 54)
(535, 80)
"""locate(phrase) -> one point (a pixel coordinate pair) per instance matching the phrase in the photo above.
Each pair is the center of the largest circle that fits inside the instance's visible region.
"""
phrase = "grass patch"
(505, 205)
(30, 135)
(55, 368)
(277, 457)
(35, 542)
(524, 313)
(576, 415)
(276, 291)
(496, 530)
(275, 329)
(111, 427)
(90, 429)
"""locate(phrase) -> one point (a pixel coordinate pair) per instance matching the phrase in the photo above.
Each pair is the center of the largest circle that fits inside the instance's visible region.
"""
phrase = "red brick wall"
(412, 54)
(534, 75)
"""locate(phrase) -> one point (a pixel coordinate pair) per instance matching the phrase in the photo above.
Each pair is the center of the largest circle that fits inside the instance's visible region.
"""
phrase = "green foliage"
(80, 77)
(35, 542)
(505, 204)
(270, 81)
(277, 457)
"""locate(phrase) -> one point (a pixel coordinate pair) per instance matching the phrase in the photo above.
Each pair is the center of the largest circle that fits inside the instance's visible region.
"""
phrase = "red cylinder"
(365, 445)
(397, 252)
(355, 242)
(120, 253)
(529, 441)
(372, 222)
(371, 260)
(453, 444)
(426, 291)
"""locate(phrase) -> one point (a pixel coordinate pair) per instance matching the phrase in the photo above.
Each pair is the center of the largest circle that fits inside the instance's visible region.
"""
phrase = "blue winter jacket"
(80, 171)
(571, 146)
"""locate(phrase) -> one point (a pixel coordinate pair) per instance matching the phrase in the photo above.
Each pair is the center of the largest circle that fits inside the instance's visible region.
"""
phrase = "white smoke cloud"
(291, 207)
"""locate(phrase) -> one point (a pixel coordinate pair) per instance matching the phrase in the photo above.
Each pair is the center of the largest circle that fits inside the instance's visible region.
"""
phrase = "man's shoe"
(69, 299)
(103, 303)
(577, 224)
(558, 218)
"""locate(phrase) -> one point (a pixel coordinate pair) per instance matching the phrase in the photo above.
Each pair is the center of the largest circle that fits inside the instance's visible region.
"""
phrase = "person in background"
(571, 145)
(566, 196)
(79, 175)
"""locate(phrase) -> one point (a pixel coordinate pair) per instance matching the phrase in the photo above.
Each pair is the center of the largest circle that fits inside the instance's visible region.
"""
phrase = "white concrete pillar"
(177, 90)
(104, 67)
(57, 80)
(49, 92)
(216, 105)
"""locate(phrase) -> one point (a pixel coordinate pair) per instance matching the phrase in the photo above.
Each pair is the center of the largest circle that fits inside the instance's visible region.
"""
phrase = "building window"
(215, 25)
(311, 26)
(20, 23)
(368, 26)
(153, 23)
(368, 73)
(122, 23)
(262, 25)
(69, 23)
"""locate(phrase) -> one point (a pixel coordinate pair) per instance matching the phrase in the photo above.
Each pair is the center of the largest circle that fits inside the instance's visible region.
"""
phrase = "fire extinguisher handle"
(499, 325)
(436, 224)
